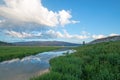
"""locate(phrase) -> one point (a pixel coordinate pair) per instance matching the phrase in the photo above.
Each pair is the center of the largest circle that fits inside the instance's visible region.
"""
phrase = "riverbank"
(90, 62)
(11, 52)
(43, 72)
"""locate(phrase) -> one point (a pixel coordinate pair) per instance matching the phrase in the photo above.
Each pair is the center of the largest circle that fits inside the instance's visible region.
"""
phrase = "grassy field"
(10, 52)
(90, 62)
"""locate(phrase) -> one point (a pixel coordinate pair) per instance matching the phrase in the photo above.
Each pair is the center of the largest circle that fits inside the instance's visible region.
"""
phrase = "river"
(30, 66)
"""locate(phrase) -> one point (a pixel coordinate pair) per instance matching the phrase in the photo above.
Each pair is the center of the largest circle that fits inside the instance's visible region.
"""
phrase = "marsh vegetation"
(90, 62)
(11, 52)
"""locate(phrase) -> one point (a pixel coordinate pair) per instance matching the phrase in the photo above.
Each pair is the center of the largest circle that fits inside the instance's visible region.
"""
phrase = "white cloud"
(74, 22)
(2, 21)
(98, 36)
(66, 35)
(65, 18)
(18, 34)
(85, 33)
(113, 34)
(54, 34)
(50, 34)
(103, 36)
(34, 11)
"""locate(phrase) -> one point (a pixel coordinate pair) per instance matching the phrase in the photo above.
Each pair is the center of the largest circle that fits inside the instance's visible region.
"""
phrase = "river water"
(24, 69)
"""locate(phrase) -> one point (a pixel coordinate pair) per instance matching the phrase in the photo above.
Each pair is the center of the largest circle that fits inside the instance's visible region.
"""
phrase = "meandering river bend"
(24, 69)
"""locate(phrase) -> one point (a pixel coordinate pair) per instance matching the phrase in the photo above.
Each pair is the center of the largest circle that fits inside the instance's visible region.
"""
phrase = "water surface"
(24, 69)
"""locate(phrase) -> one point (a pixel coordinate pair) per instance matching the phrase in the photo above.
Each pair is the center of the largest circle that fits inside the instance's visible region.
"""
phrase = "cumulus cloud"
(66, 35)
(18, 34)
(50, 34)
(75, 36)
(64, 18)
(54, 34)
(33, 11)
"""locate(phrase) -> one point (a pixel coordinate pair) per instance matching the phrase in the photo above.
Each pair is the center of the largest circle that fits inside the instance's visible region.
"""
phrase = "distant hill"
(107, 39)
(45, 43)
(5, 43)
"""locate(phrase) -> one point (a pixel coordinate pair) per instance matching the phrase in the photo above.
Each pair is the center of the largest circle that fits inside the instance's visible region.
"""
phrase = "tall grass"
(10, 52)
(91, 62)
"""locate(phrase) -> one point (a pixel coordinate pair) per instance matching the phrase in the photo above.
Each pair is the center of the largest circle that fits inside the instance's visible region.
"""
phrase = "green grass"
(10, 52)
(91, 62)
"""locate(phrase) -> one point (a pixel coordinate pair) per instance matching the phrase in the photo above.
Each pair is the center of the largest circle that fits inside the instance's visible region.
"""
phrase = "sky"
(58, 20)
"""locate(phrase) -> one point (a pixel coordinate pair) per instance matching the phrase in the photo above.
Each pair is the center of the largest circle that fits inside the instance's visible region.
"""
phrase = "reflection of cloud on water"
(28, 66)
(11, 61)
(45, 56)
(31, 59)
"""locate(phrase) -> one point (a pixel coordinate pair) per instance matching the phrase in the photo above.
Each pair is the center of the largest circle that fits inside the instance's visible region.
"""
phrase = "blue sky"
(62, 20)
